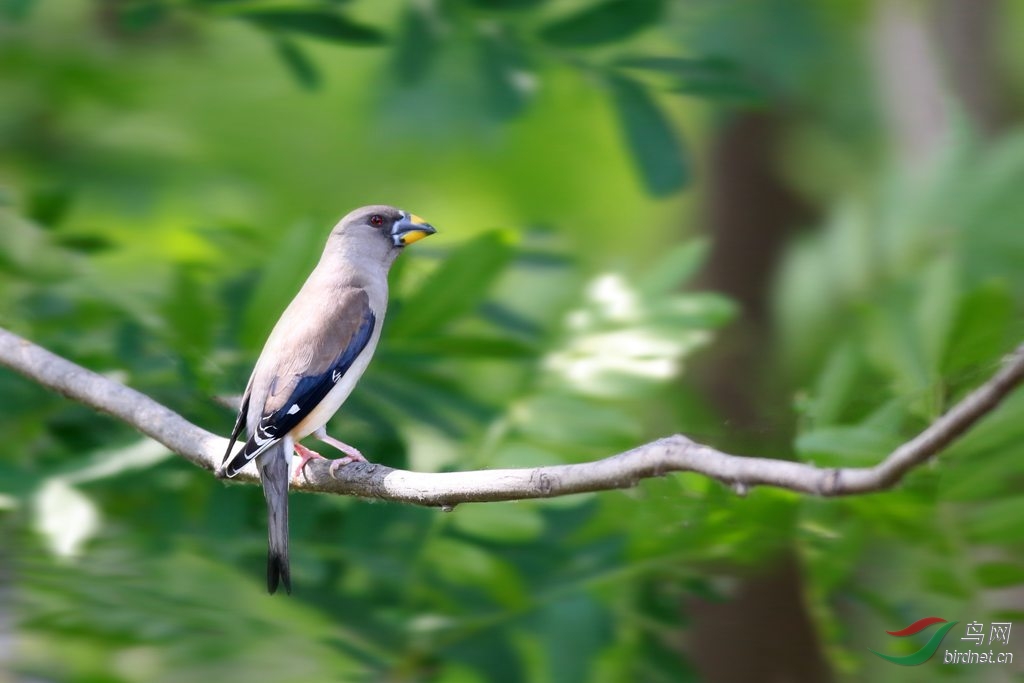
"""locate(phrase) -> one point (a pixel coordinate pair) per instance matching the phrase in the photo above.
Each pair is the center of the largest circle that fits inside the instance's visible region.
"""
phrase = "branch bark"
(675, 453)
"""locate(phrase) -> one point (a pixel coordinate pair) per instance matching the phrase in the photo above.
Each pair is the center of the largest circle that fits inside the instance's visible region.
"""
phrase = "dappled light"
(668, 233)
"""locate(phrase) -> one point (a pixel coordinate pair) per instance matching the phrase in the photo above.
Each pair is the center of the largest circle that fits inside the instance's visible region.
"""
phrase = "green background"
(787, 229)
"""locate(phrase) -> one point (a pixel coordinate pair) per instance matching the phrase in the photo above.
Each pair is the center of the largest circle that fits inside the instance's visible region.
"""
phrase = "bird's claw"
(305, 455)
(354, 456)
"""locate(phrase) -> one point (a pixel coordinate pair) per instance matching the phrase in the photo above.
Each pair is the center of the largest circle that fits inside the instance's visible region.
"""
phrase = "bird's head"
(378, 231)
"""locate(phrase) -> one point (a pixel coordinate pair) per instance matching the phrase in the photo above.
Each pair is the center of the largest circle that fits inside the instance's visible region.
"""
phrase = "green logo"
(929, 648)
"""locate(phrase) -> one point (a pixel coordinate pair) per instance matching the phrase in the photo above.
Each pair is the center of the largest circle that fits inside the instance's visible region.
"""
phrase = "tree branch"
(671, 454)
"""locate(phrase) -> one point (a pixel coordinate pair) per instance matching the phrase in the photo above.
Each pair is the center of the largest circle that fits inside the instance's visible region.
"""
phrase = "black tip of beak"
(411, 229)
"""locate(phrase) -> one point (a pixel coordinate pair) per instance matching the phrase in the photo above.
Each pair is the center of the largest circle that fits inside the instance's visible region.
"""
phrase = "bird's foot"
(355, 456)
(305, 455)
(352, 453)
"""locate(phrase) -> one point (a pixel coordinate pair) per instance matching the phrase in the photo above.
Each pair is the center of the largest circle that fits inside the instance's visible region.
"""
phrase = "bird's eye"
(376, 220)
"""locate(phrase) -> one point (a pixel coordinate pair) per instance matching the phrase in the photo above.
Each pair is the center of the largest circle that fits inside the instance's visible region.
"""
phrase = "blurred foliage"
(918, 290)
(168, 171)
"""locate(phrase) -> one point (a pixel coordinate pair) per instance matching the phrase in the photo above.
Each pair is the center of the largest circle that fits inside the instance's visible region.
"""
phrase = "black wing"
(239, 423)
(309, 391)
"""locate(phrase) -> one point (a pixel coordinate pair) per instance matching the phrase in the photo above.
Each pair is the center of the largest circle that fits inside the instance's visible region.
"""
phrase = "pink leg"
(305, 455)
(352, 454)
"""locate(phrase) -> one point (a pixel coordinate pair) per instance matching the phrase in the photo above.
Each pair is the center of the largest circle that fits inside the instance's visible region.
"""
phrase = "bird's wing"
(239, 422)
(300, 368)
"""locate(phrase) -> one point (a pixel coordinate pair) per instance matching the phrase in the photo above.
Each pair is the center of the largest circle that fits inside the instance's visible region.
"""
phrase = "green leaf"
(835, 384)
(15, 10)
(1011, 615)
(518, 454)
(287, 267)
(711, 77)
(443, 391)
(509, 320)
(894, 345)
(945, 582)
(570, 421)
(575, 630)
(84, 243)
(980, 329)
(462, 347)
(500, 522)
(27, 252)
(141, 15)
(845, 446)
(457, 287)
(1000, 574)
(456, 672)
(703, 77)
(699, 310)
(995, 445)
(656, 149)
(299, 65)
(190, 316)
(887, 418)
(48, 206)
(604, 22)
(674, 268)
(419, 400)
(720, 90)
(679, 66)
(417, 45)
(506, 4)
(935, 309)
(316, 24)
(461, 563)
(503, 67)
(997, 522)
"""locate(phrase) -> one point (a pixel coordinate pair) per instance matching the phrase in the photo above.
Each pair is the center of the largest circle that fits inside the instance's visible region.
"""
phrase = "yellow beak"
(411, 229)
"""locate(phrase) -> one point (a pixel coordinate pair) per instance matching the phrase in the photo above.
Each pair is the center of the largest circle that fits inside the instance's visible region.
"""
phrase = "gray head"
(377, 233)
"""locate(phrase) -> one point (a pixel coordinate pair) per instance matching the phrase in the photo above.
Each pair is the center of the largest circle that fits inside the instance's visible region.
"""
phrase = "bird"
(315, 354)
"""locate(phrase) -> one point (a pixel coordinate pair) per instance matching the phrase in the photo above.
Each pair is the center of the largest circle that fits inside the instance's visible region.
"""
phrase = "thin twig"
(671, 454)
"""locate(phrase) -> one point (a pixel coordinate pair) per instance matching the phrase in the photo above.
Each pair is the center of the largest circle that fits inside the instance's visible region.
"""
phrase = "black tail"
(273, 464)
(278, 571)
